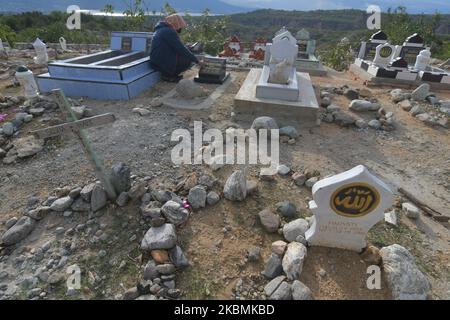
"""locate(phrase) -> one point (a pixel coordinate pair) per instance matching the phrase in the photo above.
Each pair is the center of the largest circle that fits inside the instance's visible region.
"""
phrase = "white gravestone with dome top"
(278, 90)
(345, 207)
(279, 76)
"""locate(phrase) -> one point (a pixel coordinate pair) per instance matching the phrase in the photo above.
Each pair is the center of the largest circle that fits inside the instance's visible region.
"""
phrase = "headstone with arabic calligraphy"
(346, 206)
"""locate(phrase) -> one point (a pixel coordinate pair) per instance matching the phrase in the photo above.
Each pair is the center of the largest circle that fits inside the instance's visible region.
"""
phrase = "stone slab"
(314, 68)
(305, 109)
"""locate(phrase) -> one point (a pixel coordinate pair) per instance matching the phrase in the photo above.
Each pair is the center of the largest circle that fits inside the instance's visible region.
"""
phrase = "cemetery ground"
(216, 239)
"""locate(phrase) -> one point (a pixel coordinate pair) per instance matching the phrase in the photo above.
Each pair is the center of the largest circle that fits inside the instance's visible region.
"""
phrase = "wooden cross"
(77, 127)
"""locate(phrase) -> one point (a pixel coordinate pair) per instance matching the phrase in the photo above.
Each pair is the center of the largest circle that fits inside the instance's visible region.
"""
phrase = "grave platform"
(393, 78)
(304, 109)
(311, 65)
(121, 73)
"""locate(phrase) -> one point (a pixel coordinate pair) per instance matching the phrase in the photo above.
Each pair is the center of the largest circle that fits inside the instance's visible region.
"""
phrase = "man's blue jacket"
(167, 48)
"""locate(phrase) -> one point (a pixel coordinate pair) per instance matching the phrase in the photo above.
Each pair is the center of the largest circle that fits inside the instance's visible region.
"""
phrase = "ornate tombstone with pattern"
(214, 71)
(345, 207)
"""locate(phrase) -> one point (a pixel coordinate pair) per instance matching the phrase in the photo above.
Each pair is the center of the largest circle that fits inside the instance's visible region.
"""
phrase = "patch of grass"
(382, 235)
(198, 287)
(238, 218)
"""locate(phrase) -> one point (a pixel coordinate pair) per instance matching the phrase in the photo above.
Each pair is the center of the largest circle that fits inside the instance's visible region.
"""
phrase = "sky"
(413, 6)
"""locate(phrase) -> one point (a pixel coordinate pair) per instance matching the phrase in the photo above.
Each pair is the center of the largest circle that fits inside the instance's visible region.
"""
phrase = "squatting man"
(168, 54)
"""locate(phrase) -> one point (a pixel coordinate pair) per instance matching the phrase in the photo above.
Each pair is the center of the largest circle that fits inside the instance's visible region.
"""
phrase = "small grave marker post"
(345, 207)
(77, 127)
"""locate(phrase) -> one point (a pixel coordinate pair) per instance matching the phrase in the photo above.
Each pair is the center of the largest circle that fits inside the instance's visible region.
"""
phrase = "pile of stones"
(39, 270)
(10, 150)
(285, 263)
(423, 105)
(164, 211)
(288, 134)
(362, 100)
(90, 198)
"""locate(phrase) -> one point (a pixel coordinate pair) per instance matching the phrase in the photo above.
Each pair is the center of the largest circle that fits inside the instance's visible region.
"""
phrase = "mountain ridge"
(216, 6)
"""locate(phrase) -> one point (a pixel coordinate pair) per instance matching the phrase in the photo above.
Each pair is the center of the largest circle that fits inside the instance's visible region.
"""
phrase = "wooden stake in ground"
(436, 215)
(77, 127)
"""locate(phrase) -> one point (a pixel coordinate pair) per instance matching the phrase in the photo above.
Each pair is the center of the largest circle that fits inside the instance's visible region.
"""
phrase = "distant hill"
(414, 6)
(327, 26)
(216, 6)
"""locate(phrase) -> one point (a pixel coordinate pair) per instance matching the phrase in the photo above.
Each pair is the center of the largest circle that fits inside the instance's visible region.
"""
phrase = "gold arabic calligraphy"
(355, 200)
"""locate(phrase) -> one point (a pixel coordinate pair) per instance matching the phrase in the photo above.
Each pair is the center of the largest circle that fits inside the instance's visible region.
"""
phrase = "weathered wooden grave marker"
(77, 127)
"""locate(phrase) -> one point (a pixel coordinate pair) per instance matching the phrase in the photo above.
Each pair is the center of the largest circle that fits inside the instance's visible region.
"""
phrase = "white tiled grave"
(346, 206)
(304, 109)
(278, 90)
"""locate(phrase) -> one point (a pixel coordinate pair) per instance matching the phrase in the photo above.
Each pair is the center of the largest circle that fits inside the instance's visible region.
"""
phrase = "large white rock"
(98, 198)
(410, 210)
(300, 291)
(363, 105)
(61, 204)
(404, 279)
(188, 89)
(197, 197)
(273, 285)
(283, 292)
(293, 260)
(235, 188)
(421, 92)
(294, 229)
(163, 237)
(175, 213)
(264, 123)
(345, 207)
(18, 231)
(27, 146)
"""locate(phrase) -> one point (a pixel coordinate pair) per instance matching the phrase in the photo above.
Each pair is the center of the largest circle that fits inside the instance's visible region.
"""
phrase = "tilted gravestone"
(345, 207)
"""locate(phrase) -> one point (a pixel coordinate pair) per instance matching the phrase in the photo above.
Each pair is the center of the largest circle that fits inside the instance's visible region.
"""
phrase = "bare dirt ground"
(414, 156)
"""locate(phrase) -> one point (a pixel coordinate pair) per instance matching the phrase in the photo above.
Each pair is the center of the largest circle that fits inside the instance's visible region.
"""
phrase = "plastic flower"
(3, 116)
(186, 204)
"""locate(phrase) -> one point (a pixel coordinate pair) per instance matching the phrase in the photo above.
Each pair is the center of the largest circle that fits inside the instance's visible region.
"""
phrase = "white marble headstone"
(303, 35)
(285, 35)
(384, 54)
(41, 52)
(283, 49)
(345, 207)
(63, 44)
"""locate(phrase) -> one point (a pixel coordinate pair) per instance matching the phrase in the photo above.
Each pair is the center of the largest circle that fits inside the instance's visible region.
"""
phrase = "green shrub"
(339, 56)
(6, 33)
